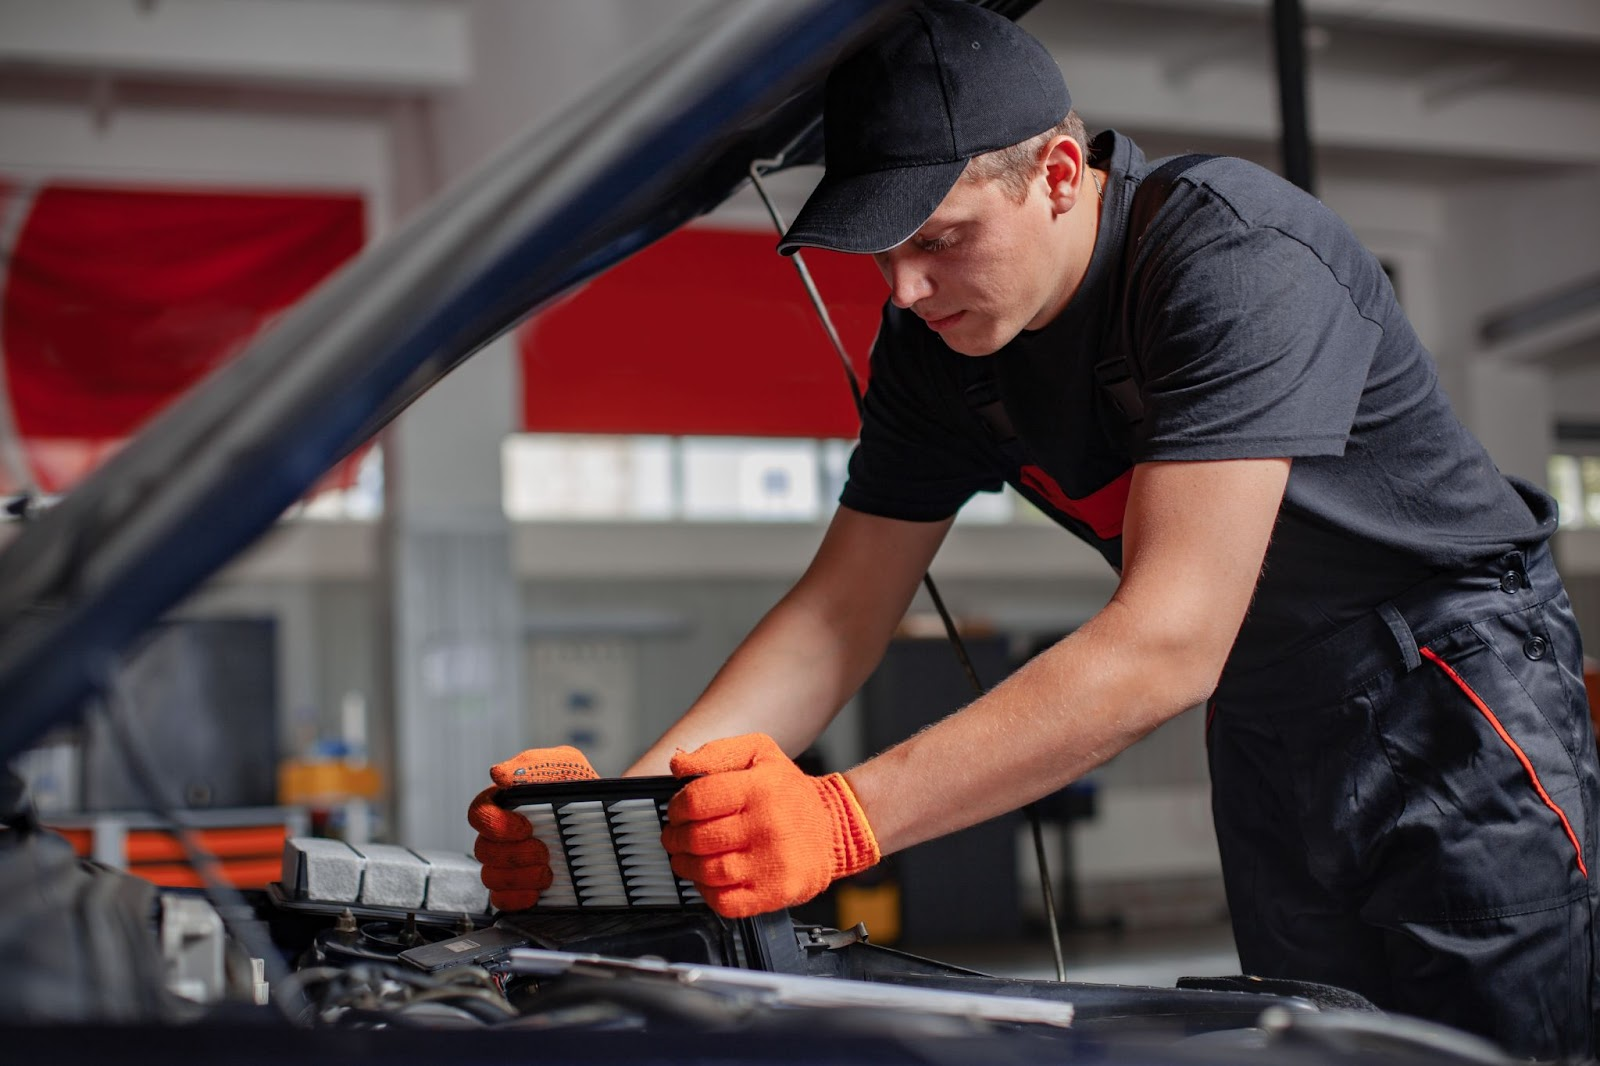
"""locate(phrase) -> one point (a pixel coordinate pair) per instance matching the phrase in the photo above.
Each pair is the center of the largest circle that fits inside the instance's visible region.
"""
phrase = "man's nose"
(908, 281)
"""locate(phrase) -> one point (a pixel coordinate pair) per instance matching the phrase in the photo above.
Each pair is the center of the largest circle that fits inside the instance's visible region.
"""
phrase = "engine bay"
(132, 972)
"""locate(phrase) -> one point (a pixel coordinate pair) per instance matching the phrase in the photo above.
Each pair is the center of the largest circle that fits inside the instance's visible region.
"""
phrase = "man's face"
(982, 268)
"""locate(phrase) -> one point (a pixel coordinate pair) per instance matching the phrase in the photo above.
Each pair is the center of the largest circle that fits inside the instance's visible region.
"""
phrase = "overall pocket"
(1494, 821)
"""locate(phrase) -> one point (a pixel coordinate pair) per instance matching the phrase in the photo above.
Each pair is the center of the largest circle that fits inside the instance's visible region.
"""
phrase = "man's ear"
(1064, 172)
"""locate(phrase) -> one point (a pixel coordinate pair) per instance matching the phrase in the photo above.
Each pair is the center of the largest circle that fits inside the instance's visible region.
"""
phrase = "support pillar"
(454, 609)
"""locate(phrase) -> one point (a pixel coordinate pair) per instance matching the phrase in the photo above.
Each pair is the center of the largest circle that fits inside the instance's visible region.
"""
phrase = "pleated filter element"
(604, 839)
(562, 892)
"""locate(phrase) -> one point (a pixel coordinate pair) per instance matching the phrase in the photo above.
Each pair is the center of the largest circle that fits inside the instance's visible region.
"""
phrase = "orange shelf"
(153, 845)
(249, 856)
(240, 873)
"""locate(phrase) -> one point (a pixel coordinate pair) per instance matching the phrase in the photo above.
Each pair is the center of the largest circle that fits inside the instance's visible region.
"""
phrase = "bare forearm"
(1066, 712)
(788, 679)
(1194, 537)
(815, 648)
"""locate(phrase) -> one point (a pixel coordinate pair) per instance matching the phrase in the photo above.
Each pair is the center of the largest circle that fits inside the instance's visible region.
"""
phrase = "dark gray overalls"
(1425, 837)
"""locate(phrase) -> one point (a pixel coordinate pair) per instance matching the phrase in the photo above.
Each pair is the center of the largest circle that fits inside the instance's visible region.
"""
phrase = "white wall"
(530, 60)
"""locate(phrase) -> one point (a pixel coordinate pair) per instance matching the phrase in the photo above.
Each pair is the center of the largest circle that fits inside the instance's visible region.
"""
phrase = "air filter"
(605, 841)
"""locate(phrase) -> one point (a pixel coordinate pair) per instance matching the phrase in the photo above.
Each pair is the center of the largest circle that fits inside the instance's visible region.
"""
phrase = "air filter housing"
(605, 841)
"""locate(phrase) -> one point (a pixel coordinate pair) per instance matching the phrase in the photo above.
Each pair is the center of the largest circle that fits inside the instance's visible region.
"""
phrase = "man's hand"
(755, 833)
(516, 867)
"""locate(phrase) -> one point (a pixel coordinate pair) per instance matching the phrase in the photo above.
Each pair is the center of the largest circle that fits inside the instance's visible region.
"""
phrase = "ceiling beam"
(1133, 90)
(1570, 339)
(1560, 23)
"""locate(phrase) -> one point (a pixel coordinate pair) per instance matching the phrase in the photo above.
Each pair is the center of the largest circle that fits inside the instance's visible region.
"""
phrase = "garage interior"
(562, 541)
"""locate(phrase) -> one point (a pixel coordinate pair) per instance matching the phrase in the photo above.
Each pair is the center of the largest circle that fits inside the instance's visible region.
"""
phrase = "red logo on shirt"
(1101, 510)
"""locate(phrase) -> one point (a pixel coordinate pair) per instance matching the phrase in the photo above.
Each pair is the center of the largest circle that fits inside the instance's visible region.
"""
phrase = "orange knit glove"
(756, 833)
(516, 867)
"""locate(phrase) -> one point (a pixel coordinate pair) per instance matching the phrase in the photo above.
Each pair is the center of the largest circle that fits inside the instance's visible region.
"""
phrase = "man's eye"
(936, 244)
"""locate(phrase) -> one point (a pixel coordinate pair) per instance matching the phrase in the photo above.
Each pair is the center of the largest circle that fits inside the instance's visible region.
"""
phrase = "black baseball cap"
(946, 81)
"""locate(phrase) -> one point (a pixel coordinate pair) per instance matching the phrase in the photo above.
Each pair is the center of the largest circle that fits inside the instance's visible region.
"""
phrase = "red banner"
(119, 300)
(705, 332)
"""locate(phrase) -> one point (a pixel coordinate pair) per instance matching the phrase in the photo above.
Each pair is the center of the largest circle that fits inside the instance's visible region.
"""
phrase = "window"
(587, 477)
(1575, 483)
(750, 480)
(553, 477)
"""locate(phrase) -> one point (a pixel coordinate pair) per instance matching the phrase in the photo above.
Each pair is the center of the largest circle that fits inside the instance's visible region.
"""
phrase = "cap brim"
(873, 212)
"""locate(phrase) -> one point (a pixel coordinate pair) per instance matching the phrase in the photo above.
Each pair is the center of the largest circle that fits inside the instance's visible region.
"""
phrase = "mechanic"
(1233, 410)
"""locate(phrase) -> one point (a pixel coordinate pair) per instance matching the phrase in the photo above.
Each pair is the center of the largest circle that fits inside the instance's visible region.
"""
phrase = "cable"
(223, 897)
(758, 167)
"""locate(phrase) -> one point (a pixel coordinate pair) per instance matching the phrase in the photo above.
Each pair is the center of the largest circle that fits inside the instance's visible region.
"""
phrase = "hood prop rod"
(758, 169)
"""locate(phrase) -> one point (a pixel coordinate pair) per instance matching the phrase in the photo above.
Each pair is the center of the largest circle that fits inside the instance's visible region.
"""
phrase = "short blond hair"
(1014, 167)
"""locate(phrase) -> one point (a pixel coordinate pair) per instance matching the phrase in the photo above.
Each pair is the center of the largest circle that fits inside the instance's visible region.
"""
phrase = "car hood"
(568, 199)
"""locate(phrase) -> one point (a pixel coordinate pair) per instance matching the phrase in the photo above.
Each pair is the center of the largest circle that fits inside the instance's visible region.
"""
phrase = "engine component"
(381, 940)
(193, 946)
(791, 990)
(77, 941)
(381, 875)
(604, 838)
(373, 994)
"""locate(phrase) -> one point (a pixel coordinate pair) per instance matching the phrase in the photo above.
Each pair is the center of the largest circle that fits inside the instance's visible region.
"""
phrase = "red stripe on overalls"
(1533, 776)
(1101, 510)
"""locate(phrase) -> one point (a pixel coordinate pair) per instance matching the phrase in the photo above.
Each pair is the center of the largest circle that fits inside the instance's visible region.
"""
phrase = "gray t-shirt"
(1256, 326)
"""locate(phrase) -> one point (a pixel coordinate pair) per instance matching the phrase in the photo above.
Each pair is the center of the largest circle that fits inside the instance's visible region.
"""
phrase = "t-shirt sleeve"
(1246, 346)
(916, 459)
